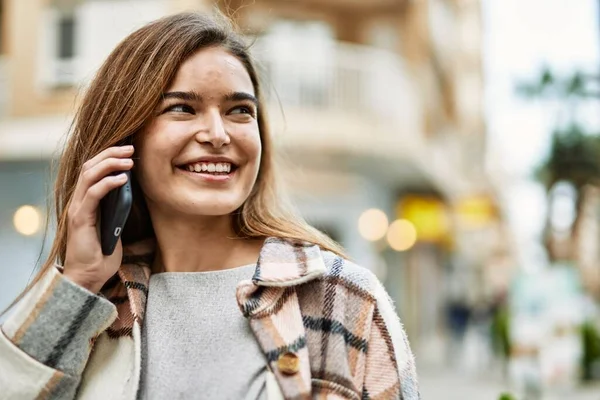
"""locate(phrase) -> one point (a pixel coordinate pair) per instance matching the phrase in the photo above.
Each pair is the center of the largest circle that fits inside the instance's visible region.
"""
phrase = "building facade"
(371, 103)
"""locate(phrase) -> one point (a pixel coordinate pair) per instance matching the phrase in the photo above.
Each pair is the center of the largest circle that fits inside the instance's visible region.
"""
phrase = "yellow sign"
(475, 212)
(433, 219)
(429, 215)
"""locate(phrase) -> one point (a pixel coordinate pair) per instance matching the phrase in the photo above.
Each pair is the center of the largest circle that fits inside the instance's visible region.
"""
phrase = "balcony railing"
(355, 80)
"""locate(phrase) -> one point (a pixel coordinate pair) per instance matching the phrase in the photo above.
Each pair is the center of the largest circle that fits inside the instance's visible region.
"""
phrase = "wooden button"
(288, 363)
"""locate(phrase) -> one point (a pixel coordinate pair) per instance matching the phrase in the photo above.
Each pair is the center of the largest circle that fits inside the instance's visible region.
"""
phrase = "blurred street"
(449, 384)
(452, 147)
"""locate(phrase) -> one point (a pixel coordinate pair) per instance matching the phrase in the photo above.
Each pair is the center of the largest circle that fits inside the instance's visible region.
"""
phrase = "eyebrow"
(187, 96)
(237, 96)
(195, 96)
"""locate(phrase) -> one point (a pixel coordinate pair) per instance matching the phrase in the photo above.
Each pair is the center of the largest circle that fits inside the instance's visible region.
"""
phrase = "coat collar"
(285, 263)
(281, 263)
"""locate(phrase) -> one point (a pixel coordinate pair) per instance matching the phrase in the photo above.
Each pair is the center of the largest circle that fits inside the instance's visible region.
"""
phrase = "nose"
(212, 130)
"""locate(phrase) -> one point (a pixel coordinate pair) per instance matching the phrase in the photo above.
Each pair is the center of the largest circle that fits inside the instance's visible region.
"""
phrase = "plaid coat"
(327, 328)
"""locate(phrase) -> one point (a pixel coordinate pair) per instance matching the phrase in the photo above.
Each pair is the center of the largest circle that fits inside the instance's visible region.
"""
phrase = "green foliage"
(574, 154)
(500, 331)
(574, 157)
(590, 338)
(577, 86)
(506, 396)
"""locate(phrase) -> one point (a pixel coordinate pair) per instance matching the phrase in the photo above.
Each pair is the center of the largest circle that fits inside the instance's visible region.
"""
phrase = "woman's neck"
(206, 244)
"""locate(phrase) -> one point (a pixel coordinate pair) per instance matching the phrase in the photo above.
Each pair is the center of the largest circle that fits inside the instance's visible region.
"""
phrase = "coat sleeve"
(390, 370)
(47, 339)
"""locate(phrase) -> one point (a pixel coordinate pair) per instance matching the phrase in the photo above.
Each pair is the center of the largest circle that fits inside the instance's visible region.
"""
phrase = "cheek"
(250, 144)
(154, 152)
(162, 141)
(256, 150)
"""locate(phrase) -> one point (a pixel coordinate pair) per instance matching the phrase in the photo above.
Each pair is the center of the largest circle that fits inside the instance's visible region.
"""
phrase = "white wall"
(101, 25)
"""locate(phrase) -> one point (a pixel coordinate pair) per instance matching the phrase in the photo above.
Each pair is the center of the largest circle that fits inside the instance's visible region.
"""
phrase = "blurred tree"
(574, 157)
(590, 338)
(500, 331)
(506, 396)
(574, 153)
(577, 86)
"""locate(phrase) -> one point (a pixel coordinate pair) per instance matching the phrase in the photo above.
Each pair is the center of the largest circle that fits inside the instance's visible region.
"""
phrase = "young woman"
(219, 291)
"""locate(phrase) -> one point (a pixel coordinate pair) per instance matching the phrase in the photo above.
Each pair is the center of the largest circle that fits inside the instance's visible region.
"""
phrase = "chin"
(212, 211)
(199, 202)
(214, 206)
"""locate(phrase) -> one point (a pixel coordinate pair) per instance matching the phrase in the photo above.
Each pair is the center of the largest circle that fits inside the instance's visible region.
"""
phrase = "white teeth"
(209, 167)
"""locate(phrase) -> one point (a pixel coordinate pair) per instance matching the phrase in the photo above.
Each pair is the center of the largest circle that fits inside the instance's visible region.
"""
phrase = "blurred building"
(374, 104)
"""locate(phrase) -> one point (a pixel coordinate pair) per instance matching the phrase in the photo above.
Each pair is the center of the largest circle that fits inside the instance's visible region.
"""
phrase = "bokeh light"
(401, 235)
(27, 220)
(373, 224)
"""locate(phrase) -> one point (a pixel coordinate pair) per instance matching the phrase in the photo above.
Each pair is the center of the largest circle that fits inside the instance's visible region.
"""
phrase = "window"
(59, 48)
(299, 56)
(66, 36)
(442, 27)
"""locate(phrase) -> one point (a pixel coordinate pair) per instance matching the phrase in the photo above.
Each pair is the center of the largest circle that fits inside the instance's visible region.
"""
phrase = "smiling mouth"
(219, 168)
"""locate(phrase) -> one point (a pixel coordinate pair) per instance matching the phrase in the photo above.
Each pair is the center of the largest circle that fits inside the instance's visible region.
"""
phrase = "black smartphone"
(114, 210)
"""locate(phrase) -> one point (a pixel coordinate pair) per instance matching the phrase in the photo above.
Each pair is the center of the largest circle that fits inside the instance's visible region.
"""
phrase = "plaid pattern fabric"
(46, 341)
(128, 290)
(327, 328)
(331, 315)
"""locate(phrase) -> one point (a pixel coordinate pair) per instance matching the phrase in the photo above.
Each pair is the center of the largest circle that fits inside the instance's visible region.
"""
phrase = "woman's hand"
(84, 262)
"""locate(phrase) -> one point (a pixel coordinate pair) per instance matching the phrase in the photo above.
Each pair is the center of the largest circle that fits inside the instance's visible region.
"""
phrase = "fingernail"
(128, 147)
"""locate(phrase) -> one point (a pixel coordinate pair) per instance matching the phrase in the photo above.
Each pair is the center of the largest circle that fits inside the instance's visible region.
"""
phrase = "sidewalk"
(447, 384)
(444, 384)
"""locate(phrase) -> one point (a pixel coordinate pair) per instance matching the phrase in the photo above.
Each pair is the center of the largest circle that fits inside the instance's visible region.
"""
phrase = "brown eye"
(243, 110)
(180, 108)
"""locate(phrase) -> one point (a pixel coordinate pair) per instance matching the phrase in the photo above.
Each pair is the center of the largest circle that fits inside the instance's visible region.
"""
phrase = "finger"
(115, 151)
(111, 152)
(95, 193)
(93, 175)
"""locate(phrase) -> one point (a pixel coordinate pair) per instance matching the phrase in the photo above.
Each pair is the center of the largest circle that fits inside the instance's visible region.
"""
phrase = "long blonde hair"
(120, 101)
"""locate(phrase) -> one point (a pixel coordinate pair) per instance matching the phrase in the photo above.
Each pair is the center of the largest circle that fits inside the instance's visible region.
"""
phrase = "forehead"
(212, 69)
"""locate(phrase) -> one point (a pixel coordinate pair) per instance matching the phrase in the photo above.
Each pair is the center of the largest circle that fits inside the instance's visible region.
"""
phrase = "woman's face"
(200, 155)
